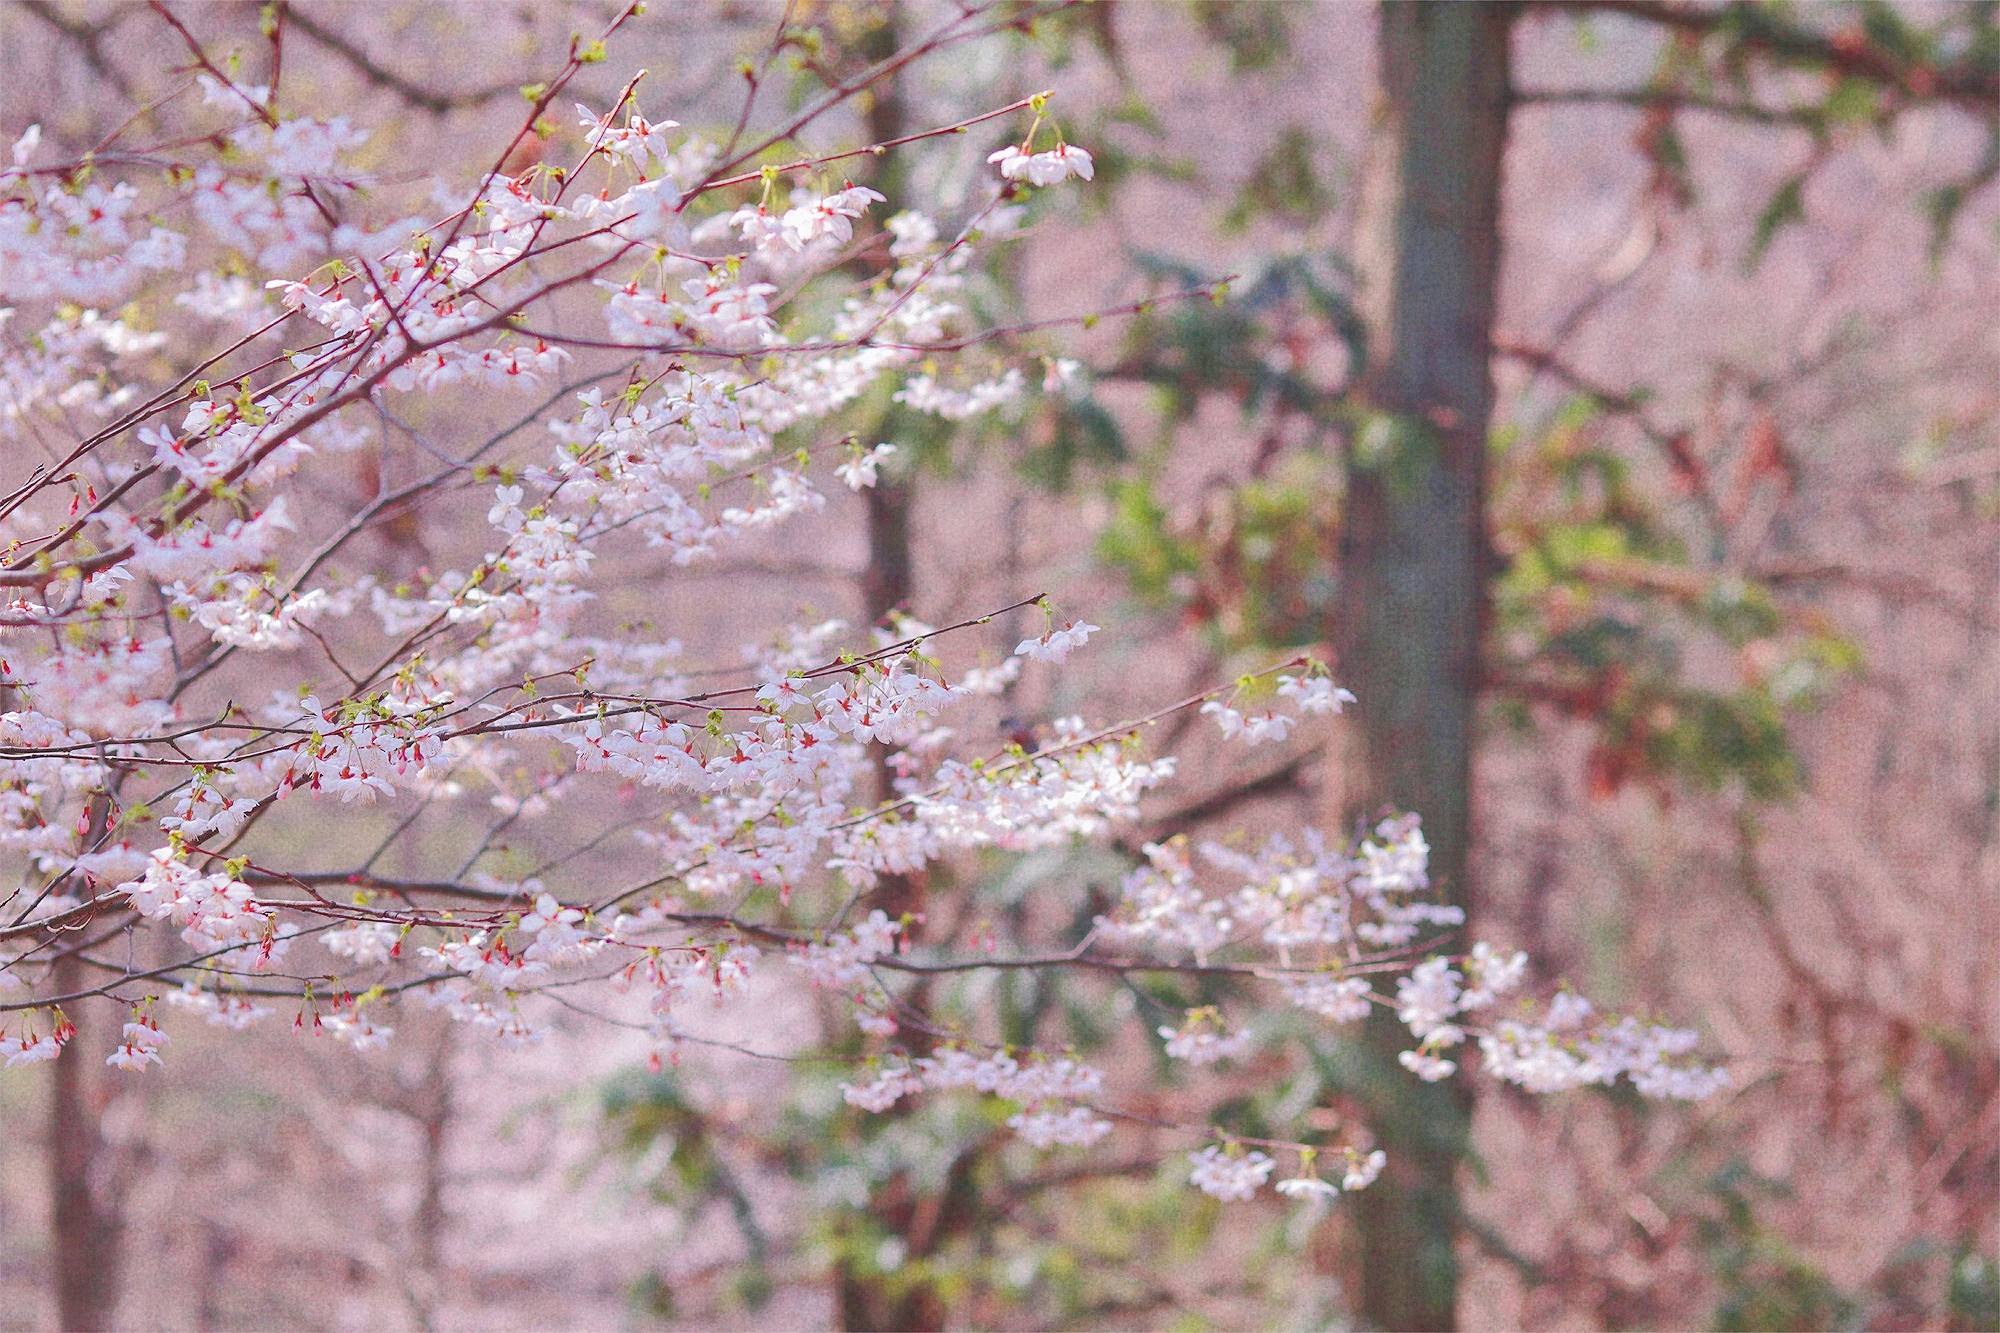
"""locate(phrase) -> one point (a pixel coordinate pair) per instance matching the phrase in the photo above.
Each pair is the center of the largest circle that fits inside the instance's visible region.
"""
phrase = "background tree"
(1415, 573)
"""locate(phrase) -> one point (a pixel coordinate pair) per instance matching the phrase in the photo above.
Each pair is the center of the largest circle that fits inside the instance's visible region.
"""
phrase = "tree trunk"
(86, 1226)
(1413, 559)
(887, 583)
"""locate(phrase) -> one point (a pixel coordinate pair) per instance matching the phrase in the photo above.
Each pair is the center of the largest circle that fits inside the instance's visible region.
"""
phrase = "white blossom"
(1074, 1126)
(1229, 1178)
(1340, 999)
(1202, 1040)
(139, 1046)
(1057, 164)
(1426, 1000)
(1426, 1066)
(1057, 644)
(1314, 694)
(1363, 1171)
(859, 471)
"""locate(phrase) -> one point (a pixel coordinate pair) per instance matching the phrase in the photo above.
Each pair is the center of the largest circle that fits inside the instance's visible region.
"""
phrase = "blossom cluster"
(1053, 1093)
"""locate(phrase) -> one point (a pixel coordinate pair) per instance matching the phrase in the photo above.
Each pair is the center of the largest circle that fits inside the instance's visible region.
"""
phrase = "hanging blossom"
(1052, 167)
(140, 1043)
(28, 1048)
(235, 1012)
(1361, 1171)
(1231, 1177)
(1057, 644)
(1310, 694)
(860, 470)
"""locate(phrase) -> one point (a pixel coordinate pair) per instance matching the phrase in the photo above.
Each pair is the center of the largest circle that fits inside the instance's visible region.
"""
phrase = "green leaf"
(1257, 36)
(1787, 206)
(1137, 541)
(1084, 433)
(1284, 184)
(1853, 101)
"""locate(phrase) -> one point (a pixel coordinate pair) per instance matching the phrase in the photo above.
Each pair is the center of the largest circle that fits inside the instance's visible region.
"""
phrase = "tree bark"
(1413, 560)
(85, 1240)
(887, 583)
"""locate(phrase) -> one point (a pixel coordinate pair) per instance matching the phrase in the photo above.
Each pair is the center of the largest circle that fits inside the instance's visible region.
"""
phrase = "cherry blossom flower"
(234, 1012)
(1057, 644)
(1252, 729)
(1226, 1177)
(1340, 999)
(1059, 164)
(1049, 168)
(889, 1086)
(1426, 1066)
(1363, 1171)
(859, 471)
(1202, 1039)
(357, 1029)
(1011, 160)
(1493, 975)
(1074, 1126)
(923, 393)
(831, 217)
(548, 915)
(27, 1049)
(635, 141)
(1568, 1011)
(1314, 694)
(1427, 998)
(139, 1046)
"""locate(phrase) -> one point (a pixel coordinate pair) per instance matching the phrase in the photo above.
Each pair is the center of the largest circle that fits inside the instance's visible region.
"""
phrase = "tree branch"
(1973, 80)
(415, 94)
(1678, 99)
(89, 38)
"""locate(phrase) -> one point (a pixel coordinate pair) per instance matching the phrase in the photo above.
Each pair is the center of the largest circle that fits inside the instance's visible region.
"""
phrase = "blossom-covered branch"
(184, 725)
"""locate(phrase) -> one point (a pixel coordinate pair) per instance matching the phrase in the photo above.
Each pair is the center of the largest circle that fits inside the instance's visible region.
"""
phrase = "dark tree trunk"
(887, 583)
(86, 1226)
(1413, 559)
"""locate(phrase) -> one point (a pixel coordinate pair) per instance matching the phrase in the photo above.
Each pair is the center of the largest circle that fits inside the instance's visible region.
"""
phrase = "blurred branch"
(437, 103)
(1285, 777)
(1810, 117)
(1963, 467)
(1972, 80)
(1548, 363)
(1978, 1128)
(89, 38)
(1891, 586)
(1056, 1177)
(1676, 444)
(1495, 1244)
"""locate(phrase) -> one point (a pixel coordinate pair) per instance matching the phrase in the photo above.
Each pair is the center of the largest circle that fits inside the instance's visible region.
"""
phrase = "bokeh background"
(1738, 750)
